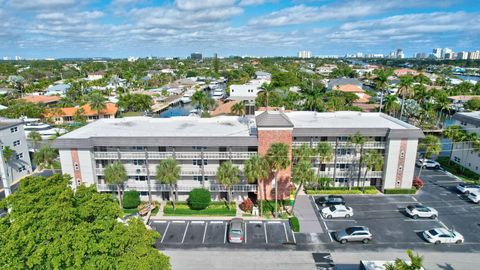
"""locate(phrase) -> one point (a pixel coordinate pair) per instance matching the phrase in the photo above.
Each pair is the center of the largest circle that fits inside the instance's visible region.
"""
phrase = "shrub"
(246, 205)
(294, 224)
(199, 198)
(457, 169)
(417, 183)
(131, 199)
(400, 191)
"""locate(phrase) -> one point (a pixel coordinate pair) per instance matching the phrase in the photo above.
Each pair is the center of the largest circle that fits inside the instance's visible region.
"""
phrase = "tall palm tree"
(303, 153)
(256, 170)
(302, 174)
(97, 102)
(267, 88)
(405, 90)
(381, 83)
(35, 137)
(116, 174)
(8, 154)
(453, 133)
(278, 159)
(431, 146)
(238, 108)
(416, 263)
(390, 104)
(227, 175)
(202, 101)
(358, 141)
(168, 172)
(45, 157)
(372, 161)
(325, 154)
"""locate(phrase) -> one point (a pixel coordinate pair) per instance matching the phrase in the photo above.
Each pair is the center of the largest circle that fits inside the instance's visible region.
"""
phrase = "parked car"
(353, 234)
(236, 231)
(330, 200)
(416, 211)
(443, 236)
(474, 196)
(428, 163)
(335, 211)
(467, 188)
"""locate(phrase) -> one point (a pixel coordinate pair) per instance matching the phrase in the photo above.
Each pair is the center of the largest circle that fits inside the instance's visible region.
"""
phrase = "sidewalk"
(306, 215)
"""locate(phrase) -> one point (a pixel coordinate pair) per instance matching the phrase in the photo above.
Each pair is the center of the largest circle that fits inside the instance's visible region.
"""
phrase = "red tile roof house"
(65, 115)
(405, 71)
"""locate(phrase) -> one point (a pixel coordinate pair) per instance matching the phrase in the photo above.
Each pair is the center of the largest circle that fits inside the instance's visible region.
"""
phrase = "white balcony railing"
(354, 174)
(155, 186)
(367, 145)
(177, 155)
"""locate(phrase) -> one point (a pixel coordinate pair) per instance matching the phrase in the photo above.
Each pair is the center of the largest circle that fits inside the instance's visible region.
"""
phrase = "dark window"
(162, 149)
(252, 149)
(222, 149)
(323, 139)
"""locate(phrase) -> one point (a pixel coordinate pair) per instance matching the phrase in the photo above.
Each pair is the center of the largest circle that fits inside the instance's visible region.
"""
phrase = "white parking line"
(294, 240)
(419, 220)
(274, 222)
(349, 220)
(265, 229)
(225, 237)
(178, 221)
(330, 235)
(204, 233)
(216, 221)
(255, 222)
(159, 221)
(415, 199)
(185, 232)
(197, 222)
(285, 229)
(165, 232)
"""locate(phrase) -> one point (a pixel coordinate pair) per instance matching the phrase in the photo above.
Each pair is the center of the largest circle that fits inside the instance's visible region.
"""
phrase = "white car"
(416, 211)
(337, 211)
(474, 196)
(428, 163)
(467, 188)
(443, 236)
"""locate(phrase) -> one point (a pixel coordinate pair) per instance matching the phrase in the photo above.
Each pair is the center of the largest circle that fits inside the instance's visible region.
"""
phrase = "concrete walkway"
(305, 212)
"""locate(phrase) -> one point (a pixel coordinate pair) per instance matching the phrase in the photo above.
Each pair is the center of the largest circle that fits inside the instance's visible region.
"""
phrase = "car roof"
(359, 228)
(419, 206)
(339, 206)
(335, 196)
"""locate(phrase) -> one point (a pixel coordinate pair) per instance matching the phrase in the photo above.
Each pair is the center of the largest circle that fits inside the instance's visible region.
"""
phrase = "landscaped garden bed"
(214, 209)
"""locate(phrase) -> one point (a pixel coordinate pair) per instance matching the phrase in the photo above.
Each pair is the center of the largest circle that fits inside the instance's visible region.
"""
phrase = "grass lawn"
(343, 190)
(215, 209)
(129, 114)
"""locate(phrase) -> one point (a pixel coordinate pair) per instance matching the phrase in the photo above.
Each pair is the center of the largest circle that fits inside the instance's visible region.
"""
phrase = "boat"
(46, 131)
(194, 112)
(187, 96)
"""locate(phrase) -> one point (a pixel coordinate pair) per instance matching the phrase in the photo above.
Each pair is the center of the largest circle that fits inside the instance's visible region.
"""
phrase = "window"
(456, 159)
(16, 143)
(140, 178)
(19, 156)
(13, 129)
(199, 162)
(199, 178)
(21, 168)
(75, 166)
(67, 118)
(199, 147)
(222, 149)
(138, 162)
(402, 154)
(162, 149)
(400, 168)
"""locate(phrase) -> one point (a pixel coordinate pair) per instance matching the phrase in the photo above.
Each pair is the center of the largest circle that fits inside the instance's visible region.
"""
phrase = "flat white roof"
(345, 119)
(182, 126)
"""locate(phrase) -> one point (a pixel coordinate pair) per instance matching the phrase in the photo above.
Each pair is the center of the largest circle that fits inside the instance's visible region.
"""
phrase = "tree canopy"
(52, 227)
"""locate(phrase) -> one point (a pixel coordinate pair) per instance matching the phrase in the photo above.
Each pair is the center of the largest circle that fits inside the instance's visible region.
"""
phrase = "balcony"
(157, 187)
(367, 145)
(352, 174)
(178, 155)
(183, 171)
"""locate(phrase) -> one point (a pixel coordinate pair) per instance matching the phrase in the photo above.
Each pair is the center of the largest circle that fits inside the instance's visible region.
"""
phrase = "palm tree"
(372, 161)
(238, 109)
(45, 157)
(325, 154)
(405, 90)
(358, 142)
(256, 170)
(390, 104)
(267, 88)
(97, 102)
(8, 154)
(452, 133)
(416, 263)
(168, 172)
(227, 175)
(303, 153)
(35, 137)
(278, 159)
(381, 82)
(302, 174)
(116, 174)
(431, 146)
(203, 101)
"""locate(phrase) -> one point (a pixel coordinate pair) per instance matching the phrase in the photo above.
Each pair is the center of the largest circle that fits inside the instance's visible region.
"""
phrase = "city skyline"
(122, 28)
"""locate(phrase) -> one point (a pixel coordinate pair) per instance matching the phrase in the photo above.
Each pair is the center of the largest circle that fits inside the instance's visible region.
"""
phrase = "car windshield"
(351, 230)
(411, 207)
(235, 232)
(433, 232)
(332, 208)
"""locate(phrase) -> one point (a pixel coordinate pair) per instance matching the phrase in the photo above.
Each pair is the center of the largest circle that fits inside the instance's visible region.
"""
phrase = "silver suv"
(236, 231)
(354, 234)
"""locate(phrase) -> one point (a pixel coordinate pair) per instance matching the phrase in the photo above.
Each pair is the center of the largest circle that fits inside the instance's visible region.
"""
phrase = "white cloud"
(255, 2)
(41, 4)
(192, 5)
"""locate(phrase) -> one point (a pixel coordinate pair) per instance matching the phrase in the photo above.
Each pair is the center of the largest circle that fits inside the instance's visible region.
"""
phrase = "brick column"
(77, 174)
(266, 137)
(401, 163)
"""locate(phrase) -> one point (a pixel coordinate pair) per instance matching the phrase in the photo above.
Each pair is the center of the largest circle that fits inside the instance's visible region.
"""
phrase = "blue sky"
(122, 28)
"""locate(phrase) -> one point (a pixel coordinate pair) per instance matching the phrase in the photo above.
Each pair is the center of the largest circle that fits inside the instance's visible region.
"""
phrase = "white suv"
(467, 188)
(474, 196)
(416, 211)
(428, 163)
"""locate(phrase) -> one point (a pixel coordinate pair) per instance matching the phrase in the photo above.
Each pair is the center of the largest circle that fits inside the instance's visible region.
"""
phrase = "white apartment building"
(200, 145)
(304, 54)
(474, 55)
(463, 153)
(13, 136)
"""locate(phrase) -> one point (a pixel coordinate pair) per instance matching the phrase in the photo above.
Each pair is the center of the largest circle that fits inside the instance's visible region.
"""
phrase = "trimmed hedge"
(458, 170)
(131, 199)
(199, 198)
(343, 190)
(294, 224)
(400, 191)
(215, 209)
(269, 206)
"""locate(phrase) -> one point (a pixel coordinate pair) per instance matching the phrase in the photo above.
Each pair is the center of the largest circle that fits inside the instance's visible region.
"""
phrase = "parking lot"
(391, 227)
(214, 233)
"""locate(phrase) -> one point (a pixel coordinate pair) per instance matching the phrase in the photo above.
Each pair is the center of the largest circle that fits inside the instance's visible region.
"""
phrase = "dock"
(169, 101)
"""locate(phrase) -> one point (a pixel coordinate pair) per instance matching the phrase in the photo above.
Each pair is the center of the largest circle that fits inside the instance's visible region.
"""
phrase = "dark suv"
(330, 200)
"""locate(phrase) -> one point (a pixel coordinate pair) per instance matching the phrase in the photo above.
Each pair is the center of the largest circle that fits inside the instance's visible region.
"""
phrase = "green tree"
(405, 90)
(278, 159)
(256, 170)
(227, 175)
(391, 105)
(416, 263)
(381, 82)
(168, 172)
(116, 174)
(473, 104)
(97, 102)
(372, 160)
(238, 108)
(302, 174)
(8, 154)
(72, 230)
(454, 134)
(358, 141)
(431, 146)
(325, 154)
(202, 101)
(45, 157)
(35, 137)
(303, 153)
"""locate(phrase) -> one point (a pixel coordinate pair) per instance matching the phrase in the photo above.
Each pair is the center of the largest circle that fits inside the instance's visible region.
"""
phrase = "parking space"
(214, 233)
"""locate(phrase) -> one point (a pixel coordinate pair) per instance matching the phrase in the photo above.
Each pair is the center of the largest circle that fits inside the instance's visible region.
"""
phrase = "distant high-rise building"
(446, 51)
(420, 55)
(196, 56)
(399, 54)
(474, 55)
(437, 53)
(449, 56)
(304, 54)
(462, 55)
